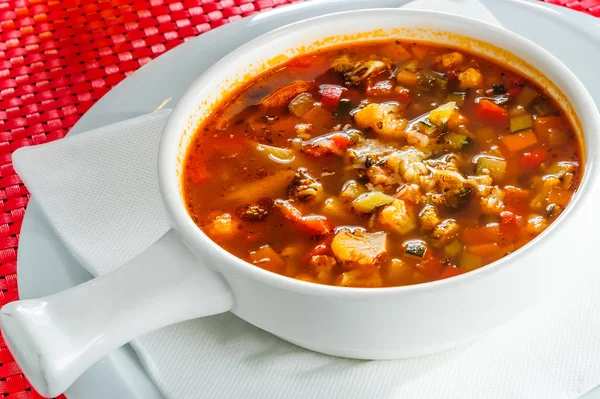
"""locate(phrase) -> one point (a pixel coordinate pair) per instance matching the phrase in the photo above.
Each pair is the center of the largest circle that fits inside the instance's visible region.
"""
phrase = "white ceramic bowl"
(55, 339)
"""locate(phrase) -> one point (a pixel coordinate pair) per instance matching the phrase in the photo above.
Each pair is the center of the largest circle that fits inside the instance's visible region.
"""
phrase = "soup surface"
(386, 164)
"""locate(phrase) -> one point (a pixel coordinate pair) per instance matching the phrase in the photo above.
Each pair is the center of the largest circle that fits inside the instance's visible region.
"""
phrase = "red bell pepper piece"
(488, 112)
(450, 271)
(514, 87)
(534, 158)
(318, 250)
(331, 95)
(404, 97)
(430, 265)
(321, 146)
(510, 224)
(340, 141)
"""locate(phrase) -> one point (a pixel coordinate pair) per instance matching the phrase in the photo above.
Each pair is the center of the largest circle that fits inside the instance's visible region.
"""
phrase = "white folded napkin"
(99, 190)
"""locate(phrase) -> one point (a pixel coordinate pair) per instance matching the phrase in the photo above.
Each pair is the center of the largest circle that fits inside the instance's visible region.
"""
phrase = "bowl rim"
(583, 104)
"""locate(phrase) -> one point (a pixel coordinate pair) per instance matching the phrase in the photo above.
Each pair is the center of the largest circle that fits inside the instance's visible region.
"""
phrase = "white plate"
(45, 266)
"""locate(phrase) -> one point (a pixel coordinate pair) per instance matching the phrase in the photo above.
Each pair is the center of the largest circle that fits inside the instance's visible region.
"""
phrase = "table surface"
(57, 58)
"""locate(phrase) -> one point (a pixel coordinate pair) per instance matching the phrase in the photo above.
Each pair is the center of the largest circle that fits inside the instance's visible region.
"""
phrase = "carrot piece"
(450, 271)
(488, 112)
(483, 249)
(481, 235)
(282, 96)
(517, 142)
(516, 192)
(315, 225)
(543, 124)
(560, 197)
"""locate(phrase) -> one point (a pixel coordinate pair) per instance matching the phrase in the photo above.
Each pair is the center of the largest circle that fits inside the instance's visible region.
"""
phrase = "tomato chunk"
(515, 87)
(404, 96)
(314, 225)
(534, 158)
(331, 95)
(488, 112)
(450, 271)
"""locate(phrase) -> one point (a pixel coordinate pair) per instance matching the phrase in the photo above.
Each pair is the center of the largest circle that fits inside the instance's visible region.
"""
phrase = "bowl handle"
(56, 338)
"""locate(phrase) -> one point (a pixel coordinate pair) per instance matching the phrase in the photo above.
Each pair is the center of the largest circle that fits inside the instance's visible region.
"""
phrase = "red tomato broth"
(227, 176)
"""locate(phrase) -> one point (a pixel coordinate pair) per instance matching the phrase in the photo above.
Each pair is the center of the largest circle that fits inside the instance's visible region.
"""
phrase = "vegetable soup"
(381, 164)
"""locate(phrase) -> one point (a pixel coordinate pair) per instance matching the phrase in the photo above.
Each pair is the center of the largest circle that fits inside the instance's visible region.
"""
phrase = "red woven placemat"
(57, 57)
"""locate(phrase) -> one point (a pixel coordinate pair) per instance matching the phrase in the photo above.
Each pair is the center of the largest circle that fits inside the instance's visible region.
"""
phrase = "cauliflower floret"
(446, 188)
(383, 118)
(323, 266)
(536, 224)
(409, 193)
(358, 247)
(363, 70)
(418, 139)
(303, 130)
(408, 164)
(367, 153)
(492, 200)
(446, 162)
(343, 64)
(397, 217)
(480, 183)
(445, 180)
(539, 200)
(304, 186)
(356, 71)
(222, 226)
(445, 231)
(380, 176)
(428, 218)
(470, 79)
(449, 61)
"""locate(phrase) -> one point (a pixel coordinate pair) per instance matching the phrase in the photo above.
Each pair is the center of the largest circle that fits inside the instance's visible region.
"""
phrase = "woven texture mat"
(57, 58)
